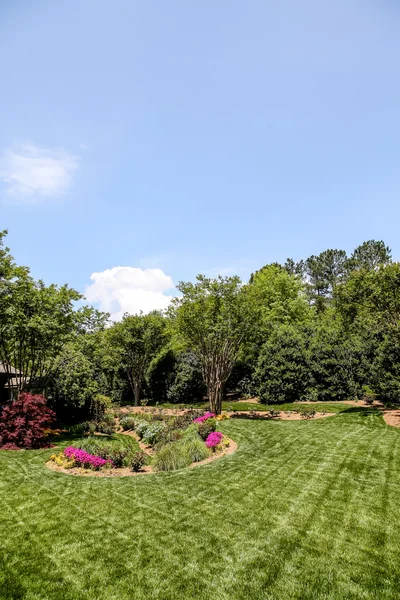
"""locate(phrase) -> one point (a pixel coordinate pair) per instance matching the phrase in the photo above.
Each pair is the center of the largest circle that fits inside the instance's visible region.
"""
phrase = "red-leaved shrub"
(22, 423)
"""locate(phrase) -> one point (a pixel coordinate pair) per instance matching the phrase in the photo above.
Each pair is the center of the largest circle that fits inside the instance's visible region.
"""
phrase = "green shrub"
(153, 433)
(77, 429)
(141, 426)
(99, 406)
(104, 427)
(172, 457)
(196, 449)
(206, 427)
(282, 373)
(108, 418)
(91, 428)
(368, 395)
(138, 460)
(181, 421)
(191, 432)
(127, 423)
(187, 384)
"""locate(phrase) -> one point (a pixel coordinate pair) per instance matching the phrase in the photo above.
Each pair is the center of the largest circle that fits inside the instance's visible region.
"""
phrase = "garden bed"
(145, 470)
(146, 443)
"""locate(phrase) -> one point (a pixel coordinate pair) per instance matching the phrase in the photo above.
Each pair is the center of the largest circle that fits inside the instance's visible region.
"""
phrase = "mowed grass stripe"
(301, 510)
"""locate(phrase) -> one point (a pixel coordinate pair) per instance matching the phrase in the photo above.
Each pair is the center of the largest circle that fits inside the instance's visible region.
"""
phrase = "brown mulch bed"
(392, 417)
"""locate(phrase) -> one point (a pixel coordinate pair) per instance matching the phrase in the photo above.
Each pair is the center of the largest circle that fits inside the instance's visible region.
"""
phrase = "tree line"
(323, 328)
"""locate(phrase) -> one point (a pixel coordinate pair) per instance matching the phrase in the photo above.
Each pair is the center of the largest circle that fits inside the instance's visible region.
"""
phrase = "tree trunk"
(215, 399)
(136, 388)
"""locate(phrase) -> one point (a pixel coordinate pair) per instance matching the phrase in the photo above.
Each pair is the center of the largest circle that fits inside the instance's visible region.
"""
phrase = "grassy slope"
(304, 510)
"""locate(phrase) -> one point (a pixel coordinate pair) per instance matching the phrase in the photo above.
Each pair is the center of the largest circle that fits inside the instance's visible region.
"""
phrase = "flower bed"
(168, 444)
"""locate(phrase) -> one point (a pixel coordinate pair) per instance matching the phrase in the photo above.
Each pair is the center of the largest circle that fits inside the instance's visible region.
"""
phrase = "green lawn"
(302, 510)
(333, 407)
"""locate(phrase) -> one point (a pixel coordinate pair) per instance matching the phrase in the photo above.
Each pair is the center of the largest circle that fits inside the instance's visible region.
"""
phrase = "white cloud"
(30, 172)
(129, 289)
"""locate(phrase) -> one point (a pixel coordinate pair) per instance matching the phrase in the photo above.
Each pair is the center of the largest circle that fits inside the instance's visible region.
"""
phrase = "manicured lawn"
(333, 407)
(302, 510)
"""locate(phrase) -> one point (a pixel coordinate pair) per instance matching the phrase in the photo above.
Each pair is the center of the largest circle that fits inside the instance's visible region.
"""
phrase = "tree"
(134, 342)
(282, 373)
(338, 359)
(212, 319)
(372, 296)
(324, 273)
(276, 297)
(370, 255)
(36, 321)
(295, 268)
(187, 385)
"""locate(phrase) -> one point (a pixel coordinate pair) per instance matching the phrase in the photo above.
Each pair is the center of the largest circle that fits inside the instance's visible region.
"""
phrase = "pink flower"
(214, 439)
(208, 415)
(84, 459)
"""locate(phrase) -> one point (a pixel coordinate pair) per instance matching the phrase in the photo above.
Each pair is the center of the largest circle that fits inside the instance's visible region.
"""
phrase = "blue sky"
(188, 137)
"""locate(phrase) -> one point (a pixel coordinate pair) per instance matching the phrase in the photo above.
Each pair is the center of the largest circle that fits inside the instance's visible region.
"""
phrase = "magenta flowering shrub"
(214, 439)
(208, 415)
(86, 460)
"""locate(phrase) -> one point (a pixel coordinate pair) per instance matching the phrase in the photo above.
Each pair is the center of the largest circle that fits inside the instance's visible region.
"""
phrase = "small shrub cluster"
(106, 426)
(138, 460)
(206, 427)
(150, 432)
(307, 413)
(127, 423)
(154, 432)
(274, 413)
(92, 453)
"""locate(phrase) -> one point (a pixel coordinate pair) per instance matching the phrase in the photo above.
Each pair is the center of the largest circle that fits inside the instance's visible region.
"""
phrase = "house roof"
(15, 382)
(9, 369)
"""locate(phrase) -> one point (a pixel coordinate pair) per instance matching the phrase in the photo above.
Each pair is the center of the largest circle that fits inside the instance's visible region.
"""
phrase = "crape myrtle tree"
(212, 318)
(133, 344)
